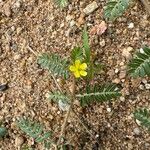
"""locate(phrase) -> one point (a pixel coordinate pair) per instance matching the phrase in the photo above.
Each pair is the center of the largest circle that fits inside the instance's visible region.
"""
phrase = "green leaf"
(62, 3)
(143, 115)
(33, 129)
(55, 64)
(30, 128)
(43, 137)
(115, 8)
(56, 96)
(3, 132)
(98, 94)
(94, 69)
(140, 64)
(76, 54)
(86, 45)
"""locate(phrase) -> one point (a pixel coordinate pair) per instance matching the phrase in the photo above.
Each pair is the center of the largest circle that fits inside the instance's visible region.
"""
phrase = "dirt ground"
(41, 26)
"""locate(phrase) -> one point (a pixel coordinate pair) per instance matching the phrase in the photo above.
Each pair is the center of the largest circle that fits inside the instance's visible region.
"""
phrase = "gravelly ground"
(43, 27)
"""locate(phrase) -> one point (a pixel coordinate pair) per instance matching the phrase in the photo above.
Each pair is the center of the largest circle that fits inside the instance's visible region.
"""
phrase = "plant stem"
(85, 127)
(68, 112)
(88, 131)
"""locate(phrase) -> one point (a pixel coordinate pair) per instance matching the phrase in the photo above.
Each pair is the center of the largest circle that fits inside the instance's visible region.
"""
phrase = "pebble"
(17, 4)
(81, 20)
(19, 141)
(122, 98)
(90, 8)
(144, 81)
(72, 23)
(141, 50)
(116, 70)
(122, 74)
(102, 43)
(109, 109)
(3, 87)
(64, 106)
(136, 131)
(131, 25)
(116, 81)
(126, 52)
(138, 122)
(141, 87)
(17, 56)
(147, 86)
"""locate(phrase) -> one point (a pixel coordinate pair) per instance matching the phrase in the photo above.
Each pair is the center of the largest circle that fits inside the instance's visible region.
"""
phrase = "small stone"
(64, 106)
(122, 98)
(72, 23)
(81, 20)
(138, 122)
(136, 131)
(116, 81)
(17, 56)
(122, 74)
(17, 4)
(141, 50)
(131, 25)
(109, 109)
(19, 141)
(19, 29)
(3, 87)
(90, 8)
(144, 81)
(141, 87)
(126, 52)
(116, 70)
(102, 43)
(147, 86)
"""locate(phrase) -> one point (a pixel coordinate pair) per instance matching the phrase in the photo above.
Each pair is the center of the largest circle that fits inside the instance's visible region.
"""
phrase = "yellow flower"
(78, 69)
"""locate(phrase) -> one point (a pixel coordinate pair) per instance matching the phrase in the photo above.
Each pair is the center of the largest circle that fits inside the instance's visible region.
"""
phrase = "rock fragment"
(3, 87)
(90, 8)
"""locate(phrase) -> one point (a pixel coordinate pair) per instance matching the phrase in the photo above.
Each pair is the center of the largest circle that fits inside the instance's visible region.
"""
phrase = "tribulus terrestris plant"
(143, 115)
(80, 68)
(61, 3)
(115, 8)
(140, 67)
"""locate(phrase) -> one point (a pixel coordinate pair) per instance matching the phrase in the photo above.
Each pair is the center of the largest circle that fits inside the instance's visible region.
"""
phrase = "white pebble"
(109, 109)
(141, 50)
(116, 70)
(131, 25)
(147, 86)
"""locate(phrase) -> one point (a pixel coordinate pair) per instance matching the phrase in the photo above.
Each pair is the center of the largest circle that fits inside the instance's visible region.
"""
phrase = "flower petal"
(77, 74)
(77, 63)
(83, 66)
(72, 68)
(83, 73)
